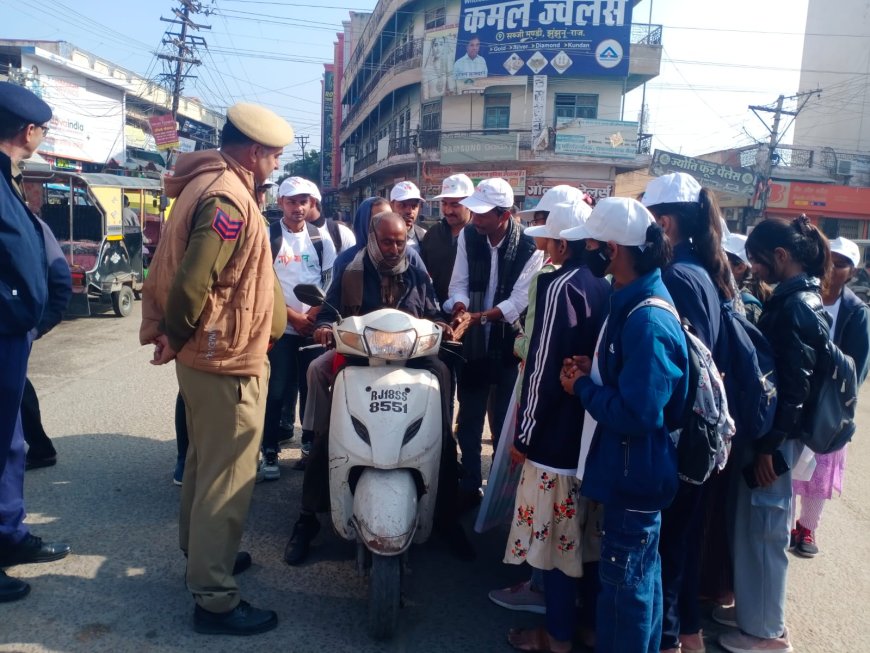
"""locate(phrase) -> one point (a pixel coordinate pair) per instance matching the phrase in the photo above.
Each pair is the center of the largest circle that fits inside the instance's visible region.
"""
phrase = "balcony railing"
(645, 34)
(369, 159)
(402, 145)
(784, 155)
(406, 55)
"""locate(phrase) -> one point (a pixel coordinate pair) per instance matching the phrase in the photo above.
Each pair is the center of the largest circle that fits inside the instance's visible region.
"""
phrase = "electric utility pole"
(183, 58)
(764, 165)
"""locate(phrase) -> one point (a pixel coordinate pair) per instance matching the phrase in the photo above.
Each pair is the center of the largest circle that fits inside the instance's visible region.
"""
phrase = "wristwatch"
(483, 319)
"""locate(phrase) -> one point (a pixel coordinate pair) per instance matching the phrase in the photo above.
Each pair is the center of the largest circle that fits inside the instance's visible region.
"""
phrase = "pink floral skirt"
(551, 528)
(827, 478)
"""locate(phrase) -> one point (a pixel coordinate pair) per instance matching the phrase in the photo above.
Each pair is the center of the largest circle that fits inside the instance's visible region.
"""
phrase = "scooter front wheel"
(385, 589)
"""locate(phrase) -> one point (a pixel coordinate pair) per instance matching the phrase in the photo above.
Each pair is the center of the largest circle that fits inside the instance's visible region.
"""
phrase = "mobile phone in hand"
(780, 467)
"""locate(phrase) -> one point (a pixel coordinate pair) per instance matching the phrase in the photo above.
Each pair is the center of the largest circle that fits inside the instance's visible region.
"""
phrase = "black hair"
(576, 251)
(231, 135)
(702, 223)
(11, 125)
(655, 253)
(799, 237)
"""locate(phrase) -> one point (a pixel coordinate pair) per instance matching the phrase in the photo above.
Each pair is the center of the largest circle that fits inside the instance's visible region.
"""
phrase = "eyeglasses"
(44, 129)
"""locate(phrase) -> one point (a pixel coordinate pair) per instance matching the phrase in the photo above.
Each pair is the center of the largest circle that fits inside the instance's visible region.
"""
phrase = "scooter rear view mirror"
(310, 294)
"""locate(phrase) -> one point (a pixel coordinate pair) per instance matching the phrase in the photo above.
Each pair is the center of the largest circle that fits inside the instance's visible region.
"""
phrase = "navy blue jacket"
(23, 265)
(418, 300)
(852, 332)
(59, 282)
(695, 296)
(570, 308)
(644, 366)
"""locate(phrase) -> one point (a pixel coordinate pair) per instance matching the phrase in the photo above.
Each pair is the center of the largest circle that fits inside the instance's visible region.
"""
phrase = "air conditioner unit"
(844, 168)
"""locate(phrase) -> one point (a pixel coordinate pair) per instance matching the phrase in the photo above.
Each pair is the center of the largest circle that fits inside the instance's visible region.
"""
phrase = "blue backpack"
(745, 358)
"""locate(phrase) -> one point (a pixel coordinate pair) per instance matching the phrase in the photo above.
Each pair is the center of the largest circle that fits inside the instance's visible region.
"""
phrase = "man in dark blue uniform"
(23, 299)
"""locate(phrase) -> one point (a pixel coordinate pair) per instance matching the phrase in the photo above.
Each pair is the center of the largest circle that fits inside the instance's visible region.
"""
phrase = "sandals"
(533, 640)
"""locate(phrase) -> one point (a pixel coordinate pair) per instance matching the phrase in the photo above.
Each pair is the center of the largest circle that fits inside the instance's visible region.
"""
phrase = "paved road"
(110, 496)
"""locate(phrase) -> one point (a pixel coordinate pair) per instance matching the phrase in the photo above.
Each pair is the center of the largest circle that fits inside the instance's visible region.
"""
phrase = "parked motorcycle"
(384, 446)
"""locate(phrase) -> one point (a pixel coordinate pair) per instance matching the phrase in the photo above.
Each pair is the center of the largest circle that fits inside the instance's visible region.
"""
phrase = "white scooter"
(384, 446)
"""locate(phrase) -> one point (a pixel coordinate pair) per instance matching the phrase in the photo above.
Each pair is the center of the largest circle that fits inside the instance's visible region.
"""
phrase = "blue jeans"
(629, 616)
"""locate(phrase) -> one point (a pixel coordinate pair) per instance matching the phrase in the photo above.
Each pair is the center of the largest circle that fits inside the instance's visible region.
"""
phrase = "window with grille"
(430, 124)
(496, 111)
(573, 105)
(436, 17)
(836, 227)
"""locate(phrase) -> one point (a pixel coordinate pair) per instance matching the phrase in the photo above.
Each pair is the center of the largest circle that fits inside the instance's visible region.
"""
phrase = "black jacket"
(796, 325)
(438, 249)
(852, 332)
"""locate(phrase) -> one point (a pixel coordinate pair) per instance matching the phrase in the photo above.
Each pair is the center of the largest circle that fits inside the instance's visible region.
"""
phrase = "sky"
(718, 57)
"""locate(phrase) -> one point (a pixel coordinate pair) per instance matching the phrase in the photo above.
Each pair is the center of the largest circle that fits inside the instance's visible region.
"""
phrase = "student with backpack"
(851, 333)
(795, 256)
(699, 279)
(635, 386)
(300, 254)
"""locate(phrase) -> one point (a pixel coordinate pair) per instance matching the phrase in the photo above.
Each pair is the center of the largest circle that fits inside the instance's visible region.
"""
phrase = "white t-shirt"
(834, 310)
(297, 263)
(348, 240)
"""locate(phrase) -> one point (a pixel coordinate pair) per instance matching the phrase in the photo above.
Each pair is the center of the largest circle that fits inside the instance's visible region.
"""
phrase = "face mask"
(597, 261)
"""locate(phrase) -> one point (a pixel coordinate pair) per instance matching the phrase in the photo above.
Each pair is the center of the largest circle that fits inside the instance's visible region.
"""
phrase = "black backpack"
(745, 358)
(828, 421)
(703, 436)
(276, 238)
(335, 234)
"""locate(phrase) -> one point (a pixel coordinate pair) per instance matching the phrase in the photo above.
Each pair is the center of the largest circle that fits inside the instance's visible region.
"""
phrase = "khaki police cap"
(260, 124)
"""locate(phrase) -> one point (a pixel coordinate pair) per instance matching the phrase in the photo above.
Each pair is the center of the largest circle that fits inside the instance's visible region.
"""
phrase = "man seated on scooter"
(379, 276)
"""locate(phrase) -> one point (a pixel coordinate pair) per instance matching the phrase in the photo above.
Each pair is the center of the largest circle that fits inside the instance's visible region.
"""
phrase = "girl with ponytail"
(794, 255)
(699, 280)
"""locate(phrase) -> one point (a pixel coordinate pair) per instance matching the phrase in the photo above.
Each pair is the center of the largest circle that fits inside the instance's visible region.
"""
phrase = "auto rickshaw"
(106, 225)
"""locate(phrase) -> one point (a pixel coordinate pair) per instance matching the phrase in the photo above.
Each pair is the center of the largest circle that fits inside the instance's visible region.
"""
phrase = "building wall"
(837, 39)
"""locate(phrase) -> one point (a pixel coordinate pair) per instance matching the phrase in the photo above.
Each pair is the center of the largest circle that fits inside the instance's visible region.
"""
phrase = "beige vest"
(232, 335)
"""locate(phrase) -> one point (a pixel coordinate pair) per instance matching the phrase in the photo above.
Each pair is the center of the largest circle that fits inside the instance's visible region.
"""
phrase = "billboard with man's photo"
(558, 38)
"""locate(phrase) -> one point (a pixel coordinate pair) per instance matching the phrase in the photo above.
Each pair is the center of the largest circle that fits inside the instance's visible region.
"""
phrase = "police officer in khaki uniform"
(213, 304)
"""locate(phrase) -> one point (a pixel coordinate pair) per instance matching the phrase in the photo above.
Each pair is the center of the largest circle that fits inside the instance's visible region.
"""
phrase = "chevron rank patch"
(225, 226)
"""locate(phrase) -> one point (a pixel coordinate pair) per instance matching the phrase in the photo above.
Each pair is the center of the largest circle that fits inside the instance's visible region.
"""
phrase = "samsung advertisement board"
(558, 38)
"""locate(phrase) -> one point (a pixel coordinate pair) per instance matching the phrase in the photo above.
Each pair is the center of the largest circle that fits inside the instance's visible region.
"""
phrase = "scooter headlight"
(352, 340)
(391, 345)
(424, 343)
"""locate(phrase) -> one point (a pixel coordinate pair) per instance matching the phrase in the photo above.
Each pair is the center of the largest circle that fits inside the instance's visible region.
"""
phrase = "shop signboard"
(537, 186)
(472, 148)
(558, 38)
(435, 174)
(720, 177)
(819, 199)
(326, 135)
(605, 138)
(88, 117)
(165, 131)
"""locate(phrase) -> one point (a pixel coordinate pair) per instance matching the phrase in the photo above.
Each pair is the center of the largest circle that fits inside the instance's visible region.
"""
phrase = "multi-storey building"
(530, 90)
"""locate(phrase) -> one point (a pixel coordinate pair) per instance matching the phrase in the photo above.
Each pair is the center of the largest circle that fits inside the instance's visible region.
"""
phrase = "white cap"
(489, 194)
(268, 184)
(847, 248)
(298, 186)
(456, 186)
(619, 219)
(562, 217)
(556, 195)
(735, 244)
(405, 190)
(675, 187)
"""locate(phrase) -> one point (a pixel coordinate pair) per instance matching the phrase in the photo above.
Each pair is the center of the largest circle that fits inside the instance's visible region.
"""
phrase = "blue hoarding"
(559, 38)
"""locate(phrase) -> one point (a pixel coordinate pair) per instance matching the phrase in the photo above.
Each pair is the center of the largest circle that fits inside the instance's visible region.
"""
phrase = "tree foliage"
(307, 166)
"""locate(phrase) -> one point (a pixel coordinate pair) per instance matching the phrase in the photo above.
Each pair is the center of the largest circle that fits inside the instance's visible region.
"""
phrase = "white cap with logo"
(563, 216)
(405, 190)
(556, 195)
(490, 193)
(621, 220)
(847, 248)
(668, 189)
(735, 244)
(456, 186)
(299, 186)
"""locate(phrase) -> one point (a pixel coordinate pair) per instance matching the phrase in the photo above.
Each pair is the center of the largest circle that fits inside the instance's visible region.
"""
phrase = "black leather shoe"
(244, 619)
(36, 462)
(32, 549)
(305, 530)
(12, 589)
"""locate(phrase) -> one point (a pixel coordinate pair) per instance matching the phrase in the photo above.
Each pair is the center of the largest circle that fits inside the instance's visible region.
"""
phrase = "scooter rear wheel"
(385, 589)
